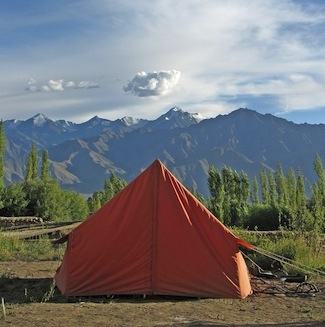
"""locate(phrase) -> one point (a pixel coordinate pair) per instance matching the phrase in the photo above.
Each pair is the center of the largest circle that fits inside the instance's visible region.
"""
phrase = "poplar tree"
(281, 187)
(216, 188)
(291, 186)
(273, 194)
(45, 166)
(2, 153)
(300, 222)
(254, 192)
(318, 197)
(264, 187)
(112, 186)
(244, 187)
(229, 194)
(32, 169)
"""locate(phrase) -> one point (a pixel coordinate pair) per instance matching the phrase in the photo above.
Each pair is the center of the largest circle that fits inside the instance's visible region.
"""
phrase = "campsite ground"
(23, 285)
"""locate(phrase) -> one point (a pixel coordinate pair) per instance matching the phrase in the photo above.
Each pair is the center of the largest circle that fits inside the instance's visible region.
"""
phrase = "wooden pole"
(3, 308)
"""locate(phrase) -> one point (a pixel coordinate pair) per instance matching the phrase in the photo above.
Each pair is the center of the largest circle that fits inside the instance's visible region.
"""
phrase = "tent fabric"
(154, 237)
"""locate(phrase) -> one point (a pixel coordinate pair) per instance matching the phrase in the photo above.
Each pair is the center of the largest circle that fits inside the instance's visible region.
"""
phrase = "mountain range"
(83, 155)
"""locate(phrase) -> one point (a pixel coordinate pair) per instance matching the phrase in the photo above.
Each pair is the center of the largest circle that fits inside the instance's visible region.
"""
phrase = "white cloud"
(71, 84)
(86, 85)
(154, 83)
(55, 85)
(58, 85)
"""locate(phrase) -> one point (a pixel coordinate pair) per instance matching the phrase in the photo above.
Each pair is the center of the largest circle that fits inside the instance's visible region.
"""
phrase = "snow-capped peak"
(176, 109)
(198, 117)
(129, 121)
(40, 119)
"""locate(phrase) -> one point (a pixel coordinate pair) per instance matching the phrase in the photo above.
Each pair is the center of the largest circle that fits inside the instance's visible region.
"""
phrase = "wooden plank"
(38, 226)
(39, 232)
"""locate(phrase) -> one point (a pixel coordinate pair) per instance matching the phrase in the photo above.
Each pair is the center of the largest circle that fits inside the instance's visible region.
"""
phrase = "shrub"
(262, 217)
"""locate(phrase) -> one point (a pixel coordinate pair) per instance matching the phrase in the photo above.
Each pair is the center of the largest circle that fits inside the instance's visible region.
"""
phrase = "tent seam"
(154, 222)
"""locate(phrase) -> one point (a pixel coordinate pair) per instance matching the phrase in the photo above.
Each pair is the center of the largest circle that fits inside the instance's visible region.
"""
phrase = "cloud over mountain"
(154, 83)
(58, 85)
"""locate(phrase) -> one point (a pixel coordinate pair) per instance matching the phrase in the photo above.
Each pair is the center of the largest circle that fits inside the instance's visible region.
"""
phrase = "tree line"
(41, 195)
(272, 200)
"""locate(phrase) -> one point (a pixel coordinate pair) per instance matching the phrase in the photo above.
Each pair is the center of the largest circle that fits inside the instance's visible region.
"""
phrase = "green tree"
(265, 187)
(47, 200)
(75, 205)
(45, 166)
(281, 187)
(318, 196)
(235, 194)
(216, 188)
(254, 192)
(273, 194)
(291, 186)
(112, 186)
(2, 154)
(97, 201)
(14, 200)
(32, 165)
(301, 219)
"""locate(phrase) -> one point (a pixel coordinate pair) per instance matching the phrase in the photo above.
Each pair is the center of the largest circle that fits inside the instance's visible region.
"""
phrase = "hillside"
(82, 155)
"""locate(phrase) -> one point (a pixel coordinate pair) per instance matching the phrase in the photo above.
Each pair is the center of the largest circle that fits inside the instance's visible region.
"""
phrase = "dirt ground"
(23, 285)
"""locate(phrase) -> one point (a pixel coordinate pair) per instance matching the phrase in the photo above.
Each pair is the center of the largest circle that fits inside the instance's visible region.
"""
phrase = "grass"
(306, 249)
(40, 249)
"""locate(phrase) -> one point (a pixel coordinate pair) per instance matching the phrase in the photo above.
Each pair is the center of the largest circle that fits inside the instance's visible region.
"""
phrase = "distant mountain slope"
(243, 139)
(46, 133)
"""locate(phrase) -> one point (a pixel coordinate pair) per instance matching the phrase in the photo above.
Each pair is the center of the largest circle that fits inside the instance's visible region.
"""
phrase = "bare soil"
(23, 285)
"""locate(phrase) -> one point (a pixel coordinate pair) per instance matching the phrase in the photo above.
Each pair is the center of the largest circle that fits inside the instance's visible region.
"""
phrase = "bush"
(262, 217)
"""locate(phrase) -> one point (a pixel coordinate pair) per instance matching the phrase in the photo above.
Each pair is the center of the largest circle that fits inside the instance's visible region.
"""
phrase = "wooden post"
(3, 308)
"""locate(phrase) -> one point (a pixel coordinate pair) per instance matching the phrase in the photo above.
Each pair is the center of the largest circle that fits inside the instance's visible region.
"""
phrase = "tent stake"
(3, 308)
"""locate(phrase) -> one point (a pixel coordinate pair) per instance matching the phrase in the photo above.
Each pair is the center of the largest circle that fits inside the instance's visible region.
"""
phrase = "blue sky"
(76, 59)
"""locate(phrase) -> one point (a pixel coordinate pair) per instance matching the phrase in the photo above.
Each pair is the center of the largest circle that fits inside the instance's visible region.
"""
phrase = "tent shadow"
(24, 290)
(27, 290)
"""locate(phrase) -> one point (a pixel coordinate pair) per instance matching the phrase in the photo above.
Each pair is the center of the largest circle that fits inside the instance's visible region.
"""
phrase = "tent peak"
(159, 163)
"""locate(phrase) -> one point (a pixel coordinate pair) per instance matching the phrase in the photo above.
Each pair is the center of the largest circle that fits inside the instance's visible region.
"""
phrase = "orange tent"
(154, 237)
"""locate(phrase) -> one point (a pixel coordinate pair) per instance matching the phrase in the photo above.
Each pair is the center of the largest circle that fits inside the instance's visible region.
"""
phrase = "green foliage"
(32, 165)
(45, 166)
(15, 200)
(229, 194)
(112, 186)
(2, 154)
(254, 197)
(318, 196)
(281, 184)
(265, 187)
(302, 248)
(217, 192)
(76, 207)
(273, 194)
(42, 197)
(281, 203)
(262, 217)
